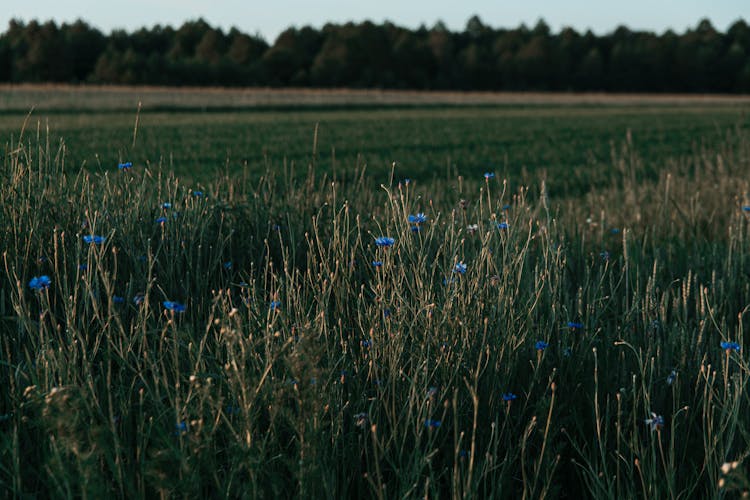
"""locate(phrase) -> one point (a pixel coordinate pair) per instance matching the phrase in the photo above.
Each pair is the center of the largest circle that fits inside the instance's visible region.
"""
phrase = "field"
(541, 299)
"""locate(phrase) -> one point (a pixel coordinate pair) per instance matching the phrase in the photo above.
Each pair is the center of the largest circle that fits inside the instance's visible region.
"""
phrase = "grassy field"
(205, 328)
(440, 136)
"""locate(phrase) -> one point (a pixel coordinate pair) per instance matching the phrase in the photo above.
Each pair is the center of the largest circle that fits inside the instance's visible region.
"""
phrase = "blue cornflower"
(509, 396)
(415, 229)
(432, 392)
(366, 343)
(460, 268)
(407, 181)
(377, 263)
(83, 267)
(604, 255)
(502, 225)
(731, 346)
(574, 325)
(489, 175)
(166, 205)
(275, 305)
(117, 299)
(417, 219)
(125, 166)
(386, 313)
(138, 299)
(93, 239)
(746, 208)
(199, 194)
(656, 422)
(432, 424)
(671, 377)
(181, 428)
(614, 230)
(541, 345)
(384, 241)
(174, 306)
(40, 283)
(228, 265)
(506, 207)
(161, 220)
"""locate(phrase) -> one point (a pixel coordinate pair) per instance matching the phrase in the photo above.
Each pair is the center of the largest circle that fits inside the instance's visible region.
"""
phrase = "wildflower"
(567, 352)
(489, 175)
(198, 194)
(386, 313)
(460, 268)
(420, 218)
(117, 299)
(604, 255)
(228, 265)
(360, 420)
(502, 225)
(407, 181)
(472, 228)
(506, 207)
(432, 392)
(243, 284)
(432, 424)
(377, 263)
(541, 345)
(509, 396)
(415, 229)
(93, 239)
(125, 166)
(276, 227)
(181, 428)
(614, 230)
(366, 343)
(746, 208)
(730, 346)
(166, 205)
(671, 377)
(161, 220)
(275, 305)
(40, 283)
(83, 267)
(656, 422)
(138, 299)
(384, 241)
(574, 325)
(174, 306)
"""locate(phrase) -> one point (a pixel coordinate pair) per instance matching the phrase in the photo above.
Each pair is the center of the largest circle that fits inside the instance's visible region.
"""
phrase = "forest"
(368, 55)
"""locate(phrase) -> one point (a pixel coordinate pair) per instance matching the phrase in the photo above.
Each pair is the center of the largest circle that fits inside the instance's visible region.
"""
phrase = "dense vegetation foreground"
(293, 336)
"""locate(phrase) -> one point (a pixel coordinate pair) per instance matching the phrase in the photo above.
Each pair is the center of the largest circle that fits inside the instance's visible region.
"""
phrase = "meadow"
(533, 302)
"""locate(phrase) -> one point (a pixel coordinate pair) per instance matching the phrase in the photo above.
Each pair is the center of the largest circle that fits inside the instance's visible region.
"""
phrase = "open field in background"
(575, 331)
(123, 98)
(437, 135)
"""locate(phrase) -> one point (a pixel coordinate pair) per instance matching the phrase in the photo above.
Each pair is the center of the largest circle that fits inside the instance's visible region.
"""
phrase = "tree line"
(368, 55)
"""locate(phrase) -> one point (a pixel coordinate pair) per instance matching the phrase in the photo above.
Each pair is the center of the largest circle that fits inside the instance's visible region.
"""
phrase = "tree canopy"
(368, 55)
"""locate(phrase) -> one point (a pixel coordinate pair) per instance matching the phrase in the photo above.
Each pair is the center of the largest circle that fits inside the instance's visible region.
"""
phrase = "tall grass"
(579, 354)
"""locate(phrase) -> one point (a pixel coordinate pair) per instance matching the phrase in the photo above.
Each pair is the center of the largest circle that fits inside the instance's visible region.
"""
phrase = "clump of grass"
(320, 340)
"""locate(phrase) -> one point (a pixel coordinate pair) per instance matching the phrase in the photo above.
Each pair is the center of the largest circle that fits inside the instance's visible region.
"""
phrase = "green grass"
(426, 143)
(337, 389)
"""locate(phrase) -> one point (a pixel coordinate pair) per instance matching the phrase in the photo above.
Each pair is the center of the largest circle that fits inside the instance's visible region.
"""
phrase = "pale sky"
(269, 18)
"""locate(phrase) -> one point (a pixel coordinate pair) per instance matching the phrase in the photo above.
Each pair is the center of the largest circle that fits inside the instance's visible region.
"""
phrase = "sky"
(268, 18)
